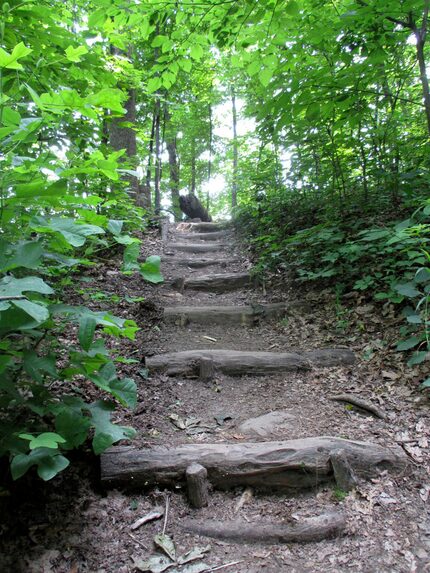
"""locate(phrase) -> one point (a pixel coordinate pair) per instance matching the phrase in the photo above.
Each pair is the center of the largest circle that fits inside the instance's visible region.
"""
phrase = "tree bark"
(157, 178)
(235, 149)
(238, 363)
(308, 529)
(292, 465)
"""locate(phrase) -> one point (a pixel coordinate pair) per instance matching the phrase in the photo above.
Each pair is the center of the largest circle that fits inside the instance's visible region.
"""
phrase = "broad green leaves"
(10, 61)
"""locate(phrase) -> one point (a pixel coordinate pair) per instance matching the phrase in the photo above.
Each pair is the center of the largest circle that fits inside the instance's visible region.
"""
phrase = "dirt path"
(388, 522)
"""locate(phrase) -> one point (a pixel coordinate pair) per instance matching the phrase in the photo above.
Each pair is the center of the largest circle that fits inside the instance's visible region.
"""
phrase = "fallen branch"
(307, 530)
(360, 404)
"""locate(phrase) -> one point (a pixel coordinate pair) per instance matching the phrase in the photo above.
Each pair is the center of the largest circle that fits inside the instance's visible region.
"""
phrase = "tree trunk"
(420, 36)
(157, 195)
(235, 149)
(125, 137)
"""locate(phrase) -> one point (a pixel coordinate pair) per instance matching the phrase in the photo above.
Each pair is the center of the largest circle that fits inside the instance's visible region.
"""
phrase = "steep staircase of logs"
(204, 252)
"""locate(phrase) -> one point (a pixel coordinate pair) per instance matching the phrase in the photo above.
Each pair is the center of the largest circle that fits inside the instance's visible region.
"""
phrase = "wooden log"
(202, 227)
(343, 472)
(236, 362)
(213, 236)
(246, 315)
(289, 466)
(164, 229)
(207, 370)
(197, 485)
(233, 362)
(199, 263)
(194, 248)
(306, 530)
(360, 404)
(223, 282)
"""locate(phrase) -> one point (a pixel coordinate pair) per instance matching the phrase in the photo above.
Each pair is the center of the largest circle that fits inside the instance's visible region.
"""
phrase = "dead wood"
(194, 248)
(290, 466)
(218, 282)
(197, 485)
(360, 404)
(202, 227)
(213, 236)
(245, 315)
(164, 228)
(207, 370)
(306, 530)
(198, 263)
(343, 472)
(236, 362)
(192, 207)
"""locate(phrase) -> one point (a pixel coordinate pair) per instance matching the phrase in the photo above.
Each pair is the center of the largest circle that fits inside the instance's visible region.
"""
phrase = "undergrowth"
(378, 254)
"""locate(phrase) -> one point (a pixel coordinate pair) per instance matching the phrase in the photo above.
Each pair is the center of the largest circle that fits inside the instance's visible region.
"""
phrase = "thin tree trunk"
(193, 168)
(420, 36)
(157, 178)
(210, 156)
(125, 137)
(235, 149)
(173, 168)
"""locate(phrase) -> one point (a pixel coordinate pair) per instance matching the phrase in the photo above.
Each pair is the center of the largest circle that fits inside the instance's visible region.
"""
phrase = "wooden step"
(223, 282)
(198, 263)
(228, 315)
(203, 227)
(237, 363)
(194, 248)
(215, 236)
(292, 465)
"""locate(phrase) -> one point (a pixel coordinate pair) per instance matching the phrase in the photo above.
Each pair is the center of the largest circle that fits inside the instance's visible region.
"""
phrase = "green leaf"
(10, 286)
(25, 255)
(115, 226)
(292, 8)
(87, 327)
(37, 311)
(44, 440)
(408, 343)
(422, 275)
(125, 390)
(131, 254)
(10, 61)
(196, 52)
(265, 76)
(49, 463)
(313, 111)
(418, 357)
(150, 270)
(425, 384)
(49, 467)
(107, 433)
(73, 426)
(407, 289)
(154, 84)
(74, 54)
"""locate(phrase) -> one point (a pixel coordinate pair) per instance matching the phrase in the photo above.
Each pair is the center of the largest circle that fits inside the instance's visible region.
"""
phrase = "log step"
(194, 248)
(199, 263)
(306, 530)
(237, 363)
(223, 282)
(214, 236)
(227, 315)
(203, 227)
(291, 465)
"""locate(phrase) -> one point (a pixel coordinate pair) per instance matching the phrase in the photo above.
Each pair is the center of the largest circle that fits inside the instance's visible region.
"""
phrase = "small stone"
(271, 423)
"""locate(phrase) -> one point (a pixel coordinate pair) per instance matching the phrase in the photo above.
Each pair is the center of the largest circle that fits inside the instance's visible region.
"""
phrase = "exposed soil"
(71, 525)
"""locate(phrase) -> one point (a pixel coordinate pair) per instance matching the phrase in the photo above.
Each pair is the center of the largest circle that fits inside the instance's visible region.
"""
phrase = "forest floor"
(74, 525)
